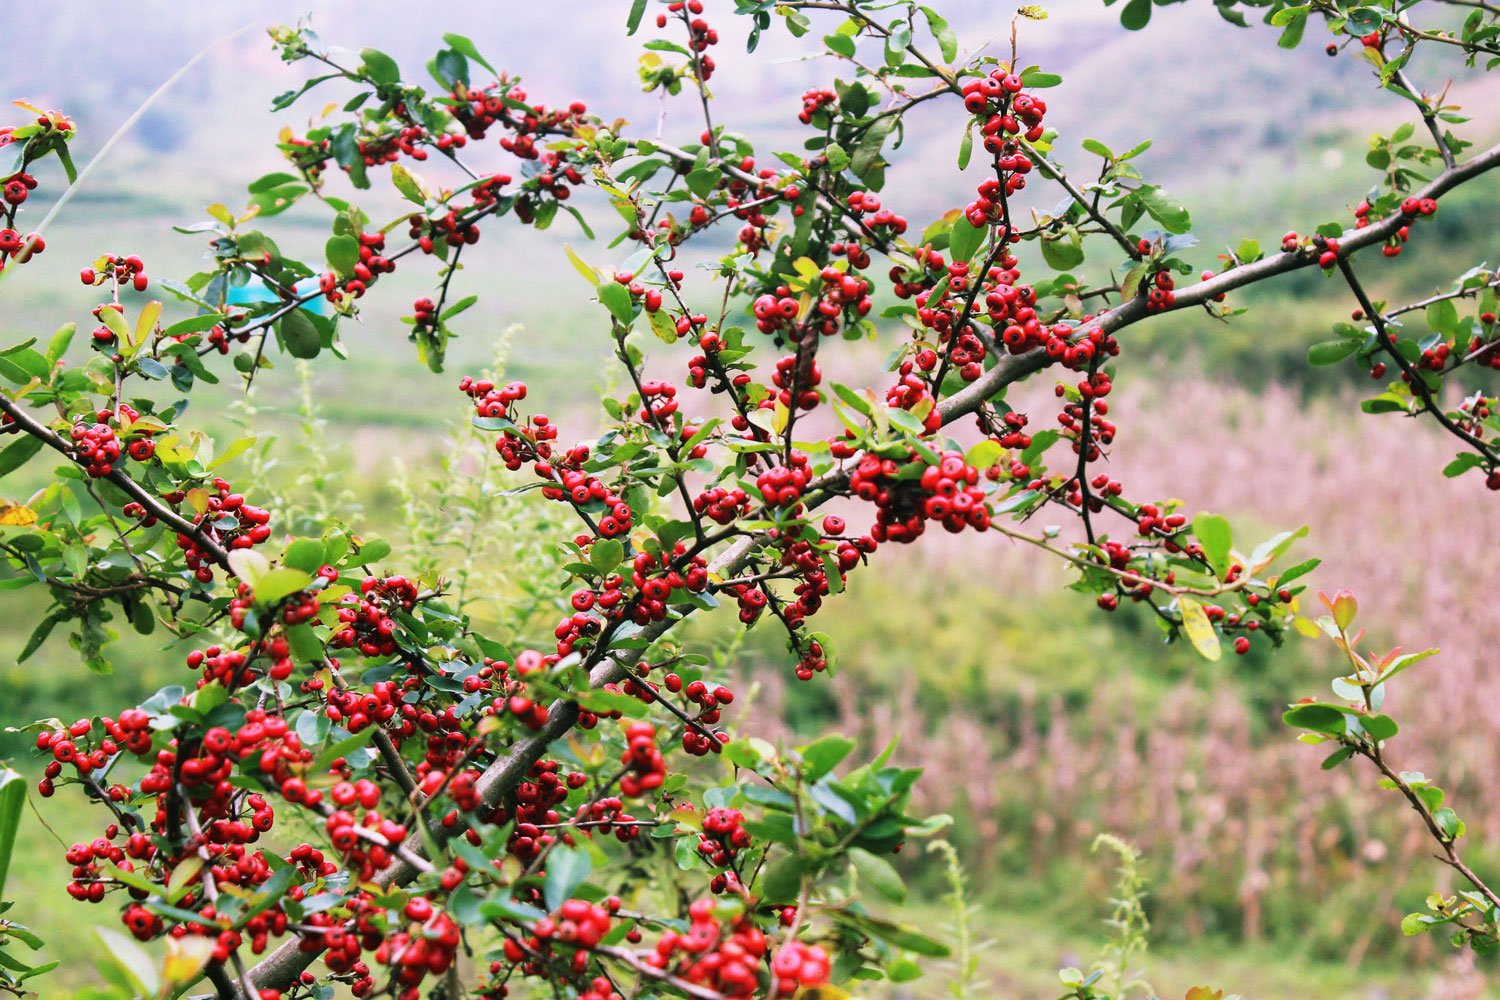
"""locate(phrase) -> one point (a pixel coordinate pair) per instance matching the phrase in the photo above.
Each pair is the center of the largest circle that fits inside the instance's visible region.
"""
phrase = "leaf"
(879, 873)
(1463, 463)
(567, 867)
(1037, 80)
(616, 298)
(236, 448)
(868, 150)
(942, 34)
(248, 565)
(132, 960)
(17, 515)
(1217, 538)
(342, 253)
(182, 877)
(17, 454)
(1064, 253)
(1380, 727)
(113, 319)
(965, 239)
(12, 802)
(821, 756)
(185, 958)
(633, 20)
(966, 147)
(409, 183)
(1165, 209)
(1331, 352)
(605, 554)
(146, 322)
(1136, 15)
(464, 45)
(280, 583)
(299, 335)
(782, 881)
(1199, 629)
(841, 45)
(1319, 718)
(379, 67)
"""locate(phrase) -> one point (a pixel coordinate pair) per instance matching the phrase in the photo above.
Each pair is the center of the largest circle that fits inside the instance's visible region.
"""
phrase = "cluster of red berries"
(427, 949)
(813, 101)
(227, 519)
(782, 485)
(724, 836)
(64, 746)
(18, 248)
(646, 769)
(947, 492)
(96, 447)
(17, 188)
(796, 380)
(365, 621)
(1160, 295)
(130, 270)
(722, 505)
(371, 265)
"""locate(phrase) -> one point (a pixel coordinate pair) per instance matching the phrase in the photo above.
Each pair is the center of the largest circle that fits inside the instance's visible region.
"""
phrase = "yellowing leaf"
(197, 497)
(1200, 631)
(220, 212)
(590, 272)
(146, 322)
(16, 515)
(185, 958)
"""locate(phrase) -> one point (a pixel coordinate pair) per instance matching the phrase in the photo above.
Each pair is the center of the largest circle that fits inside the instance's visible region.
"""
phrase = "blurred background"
(1040, 721)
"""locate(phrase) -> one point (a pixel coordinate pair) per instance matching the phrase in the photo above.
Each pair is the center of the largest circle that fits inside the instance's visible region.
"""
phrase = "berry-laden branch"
(450, 786)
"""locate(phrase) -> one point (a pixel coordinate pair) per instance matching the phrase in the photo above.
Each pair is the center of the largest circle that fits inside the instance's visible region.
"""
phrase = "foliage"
(443, 773)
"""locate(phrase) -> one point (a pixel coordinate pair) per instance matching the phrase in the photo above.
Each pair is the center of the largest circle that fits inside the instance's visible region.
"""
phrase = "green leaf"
(966, 147)
(305, 554)
(1380, 727)
(1036, 79)
(841, 45)
(879, 873)
(1165, 209)
(1331, 352)
(868, 150)
(633, 19)
(616, 298)
(1336, 758)
(1463, 463)
(18, 453)
(782, 881)
(942, 34)
(342, 253)
(379, 67)
(1064, 253)
(1136, 15)
(965, 239)
(1319, 718)
(132, 959)
(821, 756)
(12, 802)
(299, 336)
(567, 867)
(1291, 35)
(1217, 538)
(464, 45)
(1442, 317)
(605, 554)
